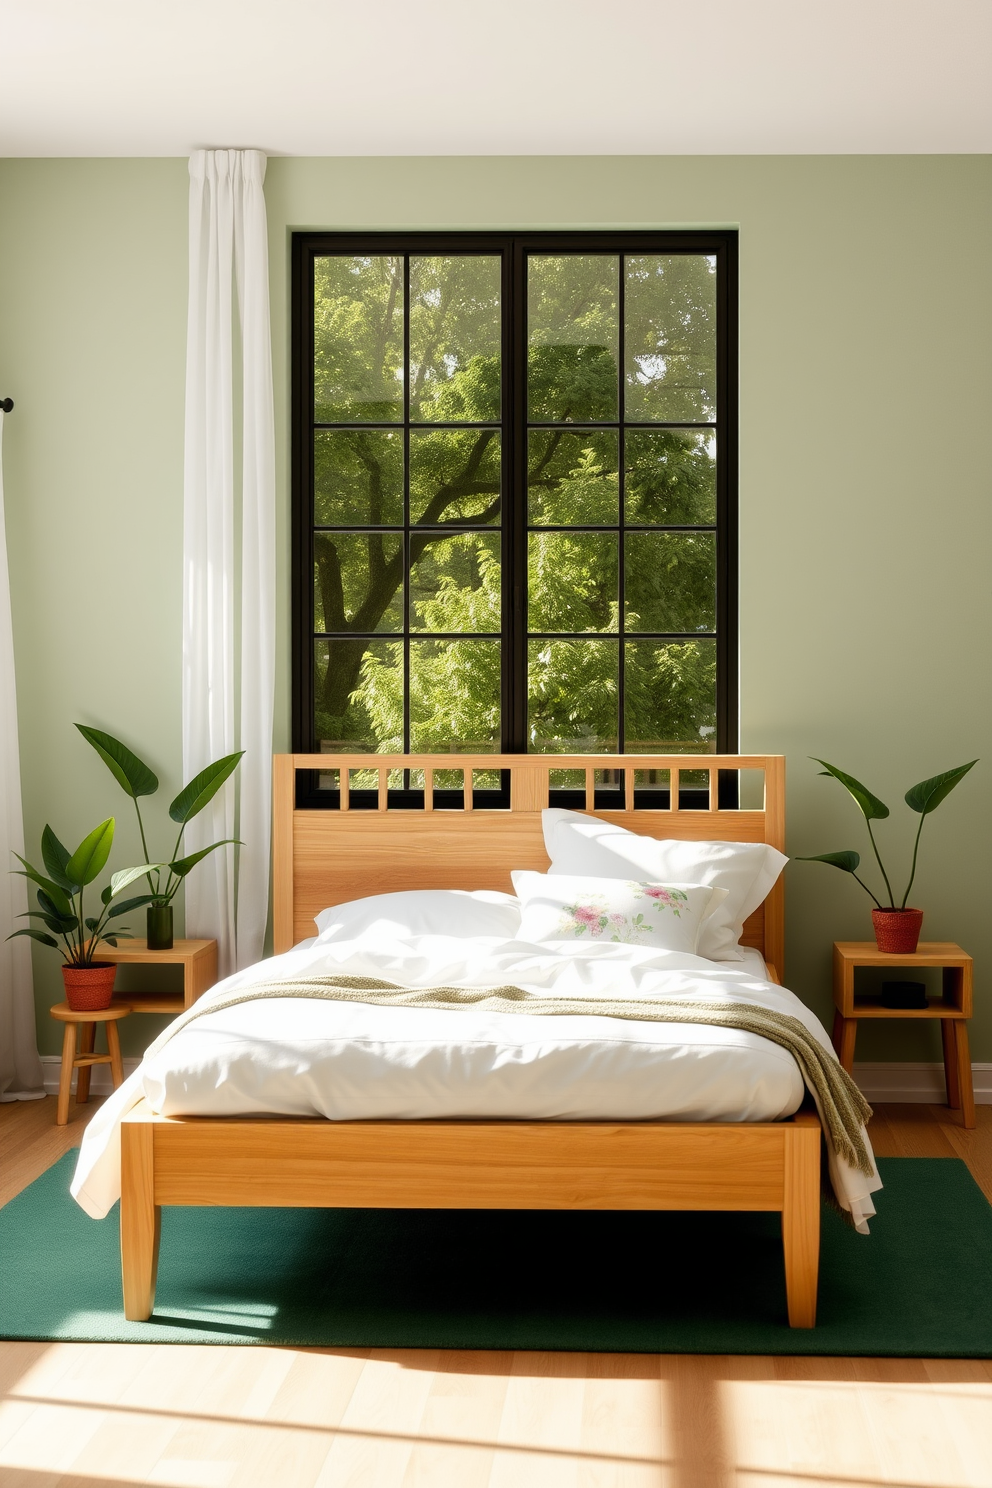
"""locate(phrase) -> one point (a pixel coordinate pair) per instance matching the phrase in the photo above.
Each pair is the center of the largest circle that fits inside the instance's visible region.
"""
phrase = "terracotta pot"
(897, 931)
(88, 989)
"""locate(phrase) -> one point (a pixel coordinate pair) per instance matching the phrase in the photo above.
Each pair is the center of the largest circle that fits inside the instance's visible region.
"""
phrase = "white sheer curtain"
(228, 669)
(20, 1067)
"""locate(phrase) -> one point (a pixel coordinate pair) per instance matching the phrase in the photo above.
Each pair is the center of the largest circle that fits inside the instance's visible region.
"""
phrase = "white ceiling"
(510, 77)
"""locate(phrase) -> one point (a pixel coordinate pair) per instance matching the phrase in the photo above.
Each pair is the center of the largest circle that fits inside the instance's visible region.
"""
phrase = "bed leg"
(801, 1219)
(141, 1220)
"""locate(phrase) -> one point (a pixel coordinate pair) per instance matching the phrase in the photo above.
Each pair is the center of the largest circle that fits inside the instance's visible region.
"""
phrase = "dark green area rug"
(920, 1285)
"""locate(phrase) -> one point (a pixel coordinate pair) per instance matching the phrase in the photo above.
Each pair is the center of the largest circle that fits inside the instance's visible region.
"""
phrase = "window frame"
(513, 248)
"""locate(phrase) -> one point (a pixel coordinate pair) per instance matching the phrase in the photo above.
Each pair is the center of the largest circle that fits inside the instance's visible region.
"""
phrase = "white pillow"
(587, 845)
(464, 913)
(667, 917)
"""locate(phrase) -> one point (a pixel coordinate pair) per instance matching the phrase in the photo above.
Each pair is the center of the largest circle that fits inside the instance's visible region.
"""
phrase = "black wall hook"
(6, 404)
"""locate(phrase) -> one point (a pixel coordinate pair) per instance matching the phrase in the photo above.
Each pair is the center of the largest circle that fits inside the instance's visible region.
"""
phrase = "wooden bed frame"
(324, 857)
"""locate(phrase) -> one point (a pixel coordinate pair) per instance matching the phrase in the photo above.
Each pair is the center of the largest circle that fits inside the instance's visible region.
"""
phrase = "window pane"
(455, 582)
(670, 477)
(572, 695)
(572, 581)
(670, 350)
(357, 581)
(572, 477)
(455, 696)
(670, 581)
(454, 339)
(358, 478)
(358, 339)
(669, 695)
(358, 693)
(573, 337)
(455, 475)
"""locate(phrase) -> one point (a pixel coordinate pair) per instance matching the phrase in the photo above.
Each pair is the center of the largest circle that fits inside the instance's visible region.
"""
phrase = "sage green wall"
(866, 385)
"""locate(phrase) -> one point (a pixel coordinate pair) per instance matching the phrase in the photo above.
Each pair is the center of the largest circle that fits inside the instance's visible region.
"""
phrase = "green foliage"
(573, 478)
(90, 857)
(928, 795)
(137, 779)
(848, 862)
(131, 773)
(202, 788)
(922, 798)
(60, 904)
(872, 809)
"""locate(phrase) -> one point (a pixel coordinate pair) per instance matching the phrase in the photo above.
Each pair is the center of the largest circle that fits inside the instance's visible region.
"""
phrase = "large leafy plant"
(138, 779)
(61, 891)
(923, 799)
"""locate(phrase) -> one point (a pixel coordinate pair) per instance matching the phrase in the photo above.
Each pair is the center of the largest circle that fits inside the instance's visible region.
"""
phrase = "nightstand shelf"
(198, 958)
(952, 1009)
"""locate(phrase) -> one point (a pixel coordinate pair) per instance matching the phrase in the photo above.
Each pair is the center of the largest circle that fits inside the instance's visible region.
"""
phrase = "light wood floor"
(78, 1415)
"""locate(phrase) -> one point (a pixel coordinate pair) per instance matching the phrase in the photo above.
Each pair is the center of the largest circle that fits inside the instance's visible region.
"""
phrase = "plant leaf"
(56, 859)
(118, 935)
(848, 861)
(61, 921)
(203, 787)
(60, 906)
(54, 922)
(871, 807)
(131, 773)
(927, 796)
(119, 881)
(126, 905)
(91, 923)
(90, 857)
(38, 935)
(53, 890)
(182, 866)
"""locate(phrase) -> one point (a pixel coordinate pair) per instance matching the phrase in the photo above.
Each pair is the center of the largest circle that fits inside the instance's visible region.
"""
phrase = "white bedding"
(346, 1061)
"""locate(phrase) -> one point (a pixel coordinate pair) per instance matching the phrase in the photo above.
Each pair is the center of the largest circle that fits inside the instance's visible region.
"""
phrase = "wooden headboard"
(323, 857)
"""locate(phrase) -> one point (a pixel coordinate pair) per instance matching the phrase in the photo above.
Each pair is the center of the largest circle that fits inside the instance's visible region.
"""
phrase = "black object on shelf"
(906, 995)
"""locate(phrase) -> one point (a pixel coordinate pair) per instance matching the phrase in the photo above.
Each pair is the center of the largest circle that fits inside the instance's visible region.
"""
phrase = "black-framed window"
(515, 492)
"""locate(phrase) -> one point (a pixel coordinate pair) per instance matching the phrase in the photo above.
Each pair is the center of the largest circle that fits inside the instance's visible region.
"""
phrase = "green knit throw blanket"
(842, 1106)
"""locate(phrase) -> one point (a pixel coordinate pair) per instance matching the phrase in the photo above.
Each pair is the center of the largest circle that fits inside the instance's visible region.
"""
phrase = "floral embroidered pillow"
(666, 917)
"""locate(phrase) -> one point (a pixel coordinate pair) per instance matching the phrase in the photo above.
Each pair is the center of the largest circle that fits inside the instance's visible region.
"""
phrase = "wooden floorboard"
(77, 1415)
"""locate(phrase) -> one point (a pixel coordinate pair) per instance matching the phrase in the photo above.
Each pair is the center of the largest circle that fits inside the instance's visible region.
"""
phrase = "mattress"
(348, 1061)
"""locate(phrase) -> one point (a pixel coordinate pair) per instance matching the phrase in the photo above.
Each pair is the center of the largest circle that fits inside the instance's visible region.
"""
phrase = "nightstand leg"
(950, 1064)
(965, 1087)
(65, 1077)
(87, 1038)
(848, 1034)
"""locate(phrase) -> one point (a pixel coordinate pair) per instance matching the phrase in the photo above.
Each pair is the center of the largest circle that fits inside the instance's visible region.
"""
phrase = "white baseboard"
(922, 1083)
(917, 1082)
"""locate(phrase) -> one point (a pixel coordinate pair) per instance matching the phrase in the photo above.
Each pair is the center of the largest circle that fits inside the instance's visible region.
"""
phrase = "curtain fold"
(20, 1068)
(228, 671)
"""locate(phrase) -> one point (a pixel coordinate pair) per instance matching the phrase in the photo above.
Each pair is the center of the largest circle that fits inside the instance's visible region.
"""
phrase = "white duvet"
(348, 1061)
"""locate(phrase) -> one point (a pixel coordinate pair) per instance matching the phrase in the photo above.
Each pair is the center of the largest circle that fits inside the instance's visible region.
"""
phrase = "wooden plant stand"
(83, 1060)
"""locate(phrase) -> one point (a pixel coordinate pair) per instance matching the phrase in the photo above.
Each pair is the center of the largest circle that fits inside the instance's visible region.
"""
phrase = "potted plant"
(89, 983)
(138, 779)
(897, 928)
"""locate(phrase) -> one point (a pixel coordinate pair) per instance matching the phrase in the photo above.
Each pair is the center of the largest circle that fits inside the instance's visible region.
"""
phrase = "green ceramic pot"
(159, 920)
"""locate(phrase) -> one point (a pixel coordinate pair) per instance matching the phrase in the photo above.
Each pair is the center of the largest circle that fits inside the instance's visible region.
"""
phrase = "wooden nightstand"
(198, 959)
(953, 1008)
